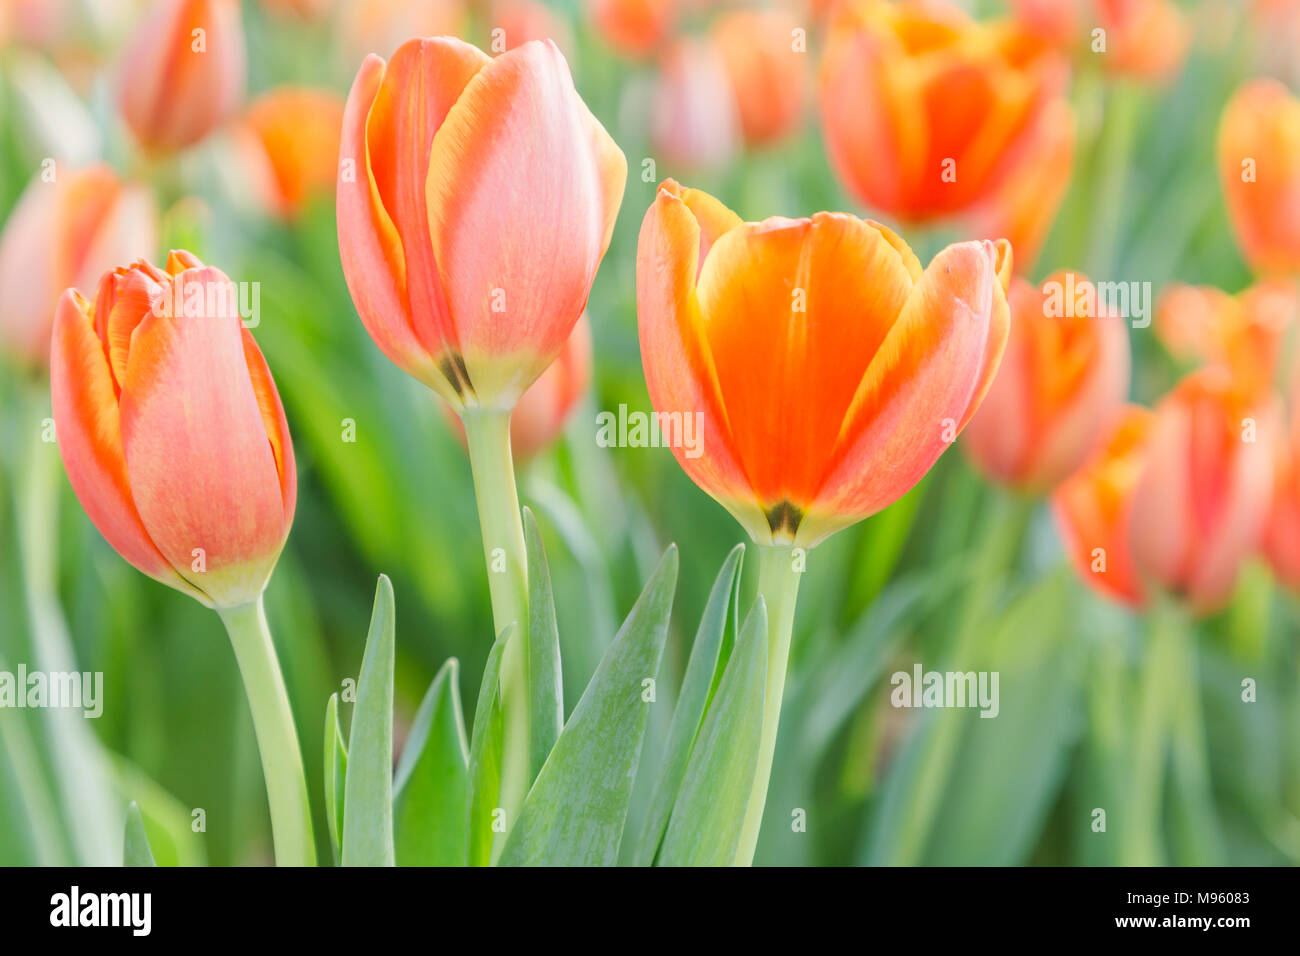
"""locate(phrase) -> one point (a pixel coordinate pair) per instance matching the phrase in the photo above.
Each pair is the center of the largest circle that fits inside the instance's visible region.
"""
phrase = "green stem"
(487, 434)
(277, 739)
(1199, 841)
(1162, 674)
(778, 584)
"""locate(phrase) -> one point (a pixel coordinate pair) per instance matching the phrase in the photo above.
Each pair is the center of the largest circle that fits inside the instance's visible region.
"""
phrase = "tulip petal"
(90, 441)
(277, 428)
(202, 471)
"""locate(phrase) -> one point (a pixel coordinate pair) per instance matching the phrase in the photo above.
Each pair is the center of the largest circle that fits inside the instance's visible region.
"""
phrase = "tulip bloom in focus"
(1062, 378)
(172, 431)
(177, 85)
(483, 200)
(1259, 166)
(1200, 505)
(1093, 507)
(767, 73)
(65, 233)
(926, 111)
(1242, 333)
(829, 369)
(290, 137)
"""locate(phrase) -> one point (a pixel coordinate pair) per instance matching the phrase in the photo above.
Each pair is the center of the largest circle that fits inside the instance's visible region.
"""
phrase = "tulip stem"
(277, 739)
(487, 433)
(778, 585)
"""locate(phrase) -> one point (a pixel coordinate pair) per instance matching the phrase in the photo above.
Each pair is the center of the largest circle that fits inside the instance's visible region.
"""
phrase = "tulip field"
(521, 433)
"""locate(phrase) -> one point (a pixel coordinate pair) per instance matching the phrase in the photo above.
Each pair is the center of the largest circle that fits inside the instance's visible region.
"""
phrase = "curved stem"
(487, 434)
(778, 584)
(277, 739)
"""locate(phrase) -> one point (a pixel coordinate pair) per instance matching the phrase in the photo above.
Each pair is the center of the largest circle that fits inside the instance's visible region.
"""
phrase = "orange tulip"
(66, 232)
(1061, 381)
(1200, 505)
(694, 120)
(540, 416)
(634, 27)
(483, 200)
(171, 429)
(1282, 530)
(1242, 332)
(1259, 166)
(826, 369)
(1024, 206)
(1145, 39)
(767, 73)
(925, 111)
(290, 137)
(183, 73)
(1093, 507)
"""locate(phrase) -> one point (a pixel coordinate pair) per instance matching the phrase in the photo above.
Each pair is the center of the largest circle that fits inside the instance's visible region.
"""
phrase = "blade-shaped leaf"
(545, 684)
(136, 846)
(575, 811)
(691, 705)
(368, 794)
(431, 789)
(485, 756)
(336, 772)
(709, 814)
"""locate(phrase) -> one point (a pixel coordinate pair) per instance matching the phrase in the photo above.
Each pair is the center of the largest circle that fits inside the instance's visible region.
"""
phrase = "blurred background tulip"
(523, 20)
(381, 26)
(1201, 503)
(1062, 379)
(766, 59)
(1094, 507)
(65, 231)
(926, 111)
(634, 28)
(694, 120)
(289, 139)
(1143, 39)
(182, 72)
(1259, 167)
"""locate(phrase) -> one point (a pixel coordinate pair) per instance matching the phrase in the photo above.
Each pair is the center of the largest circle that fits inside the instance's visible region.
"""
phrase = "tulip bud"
(826, 370)
(183, 74)
(65, 232)
(1093, 507)
(1201, 502)
(1259, 166)
(290, 141)
(171, 429)
(476, 198)
(1062, 378)
(926, 111)
(767, 72)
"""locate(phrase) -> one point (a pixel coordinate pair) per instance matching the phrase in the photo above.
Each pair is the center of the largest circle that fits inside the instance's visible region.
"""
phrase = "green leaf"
(709, 813)
(336, 772)
(575, 812)
(697, 686)
(431, 789)
(136, 847)
(545, 683)
(368, 794)
(485, 755)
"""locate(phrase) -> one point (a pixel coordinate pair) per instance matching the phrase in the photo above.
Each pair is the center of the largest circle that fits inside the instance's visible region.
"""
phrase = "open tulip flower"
(1259, 167)
(1061, 380)
(827, 371)
(175, 441)
(925, 111)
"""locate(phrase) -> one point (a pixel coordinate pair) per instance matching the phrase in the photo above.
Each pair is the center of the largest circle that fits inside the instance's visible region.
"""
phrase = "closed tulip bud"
(183, 73)
(171, 429)
(1242, 333)
(1200, 505)
(1259, 166)
(926, 111)
(476, 198)
(1094, 507)
(290, 141)
(826, 370)
(694, 120)
(1063, 376)
(633, 27)
(768, 73)
(65, 232)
